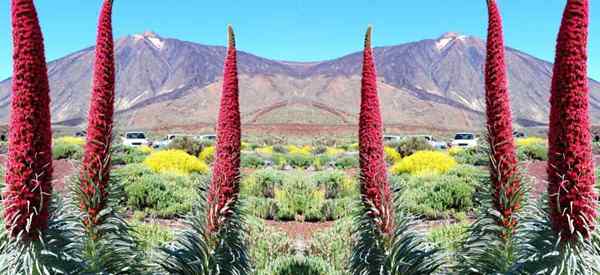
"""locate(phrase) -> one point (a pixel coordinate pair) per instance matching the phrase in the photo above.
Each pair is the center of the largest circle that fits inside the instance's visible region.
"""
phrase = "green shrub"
(265, 244)
(123, 154)
(535, 151)
(334, 209)
(449, 237)
(281, 149)
(251, 161)
(298, 196)
(165, 195)
(262, 183)
(300, 160)
(64, 150)
(149, 236)
(332, 244)
(295, 265)
(409, 146)
(347, 162)
(264, 208)
(438, 196)
(474, 156)
(190, 145)
(331, 181)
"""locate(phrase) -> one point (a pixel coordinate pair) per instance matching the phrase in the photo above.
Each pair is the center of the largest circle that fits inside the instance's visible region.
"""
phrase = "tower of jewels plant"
(492, 242)
(215, 242)
(385, 240)
(562, 238)
(31, 242)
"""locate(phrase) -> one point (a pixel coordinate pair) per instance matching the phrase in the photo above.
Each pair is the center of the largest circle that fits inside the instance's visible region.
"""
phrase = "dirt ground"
(62, 170)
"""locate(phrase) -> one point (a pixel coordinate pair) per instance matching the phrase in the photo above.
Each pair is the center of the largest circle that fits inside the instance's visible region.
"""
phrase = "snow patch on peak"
(441, 43)
(157, 42)
(447, 38)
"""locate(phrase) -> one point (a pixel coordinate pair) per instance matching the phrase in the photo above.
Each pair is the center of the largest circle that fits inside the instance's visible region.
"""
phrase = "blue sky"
(300, 30)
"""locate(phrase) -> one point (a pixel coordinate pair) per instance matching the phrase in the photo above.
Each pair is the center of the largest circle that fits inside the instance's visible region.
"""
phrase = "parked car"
(82, 133)
(465, 140)
(135, 139)
(209, 137)
(518, 134)
(165, 142)
(432, 141)
(391, 138)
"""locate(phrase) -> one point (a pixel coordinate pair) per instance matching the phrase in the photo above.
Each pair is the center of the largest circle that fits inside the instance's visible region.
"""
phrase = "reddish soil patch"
(296, 230)
(537, 171)
(62, 170)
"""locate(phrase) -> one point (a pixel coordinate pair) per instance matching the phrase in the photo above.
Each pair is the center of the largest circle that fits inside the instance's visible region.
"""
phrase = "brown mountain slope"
(163, 83)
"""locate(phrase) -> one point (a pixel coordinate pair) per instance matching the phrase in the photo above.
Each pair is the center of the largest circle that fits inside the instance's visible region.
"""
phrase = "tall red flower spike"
(572, 199)
(375, 187)
(29, 171)
(224, 187)
(96, 161)
(505, 182)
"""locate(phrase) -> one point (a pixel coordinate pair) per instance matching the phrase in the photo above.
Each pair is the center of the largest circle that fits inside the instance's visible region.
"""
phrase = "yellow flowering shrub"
(267, 150)
(208, 154)
(424, 162)
(453, 151)
(354, 146)
(530, 141)
(296, 150)
(145, 149)
(175, 161)
(70, 140)
(333, 152)
(391, 155)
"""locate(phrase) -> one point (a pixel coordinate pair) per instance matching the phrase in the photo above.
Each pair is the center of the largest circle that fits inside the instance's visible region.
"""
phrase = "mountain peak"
(151, 37)
(447, 38)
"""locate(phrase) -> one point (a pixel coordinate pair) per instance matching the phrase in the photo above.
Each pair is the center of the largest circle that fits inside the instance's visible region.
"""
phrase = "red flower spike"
(572, 199)
(29, 170)
(95, 171)
(375, 187)
(505, 181)
(224, 187)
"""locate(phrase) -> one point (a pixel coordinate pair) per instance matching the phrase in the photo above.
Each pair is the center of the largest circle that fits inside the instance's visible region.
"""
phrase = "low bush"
(300, 160)
(334, 209)
(533, 151)
(474, 156)
(449, 237)
(251, 161)
(409, 146)
(424, 162)
(332, 244)
(189, 145)
(294, 265)
(208, 154)
(265, 244)
(264, 208)
(62, 150)
(123, 154)
(149, 236)
(262, 183)
(333, 182)
(333, 152)
(391, 155)
(438, 196)
(298, 198)
(346, 162)
(175, 161)
(164, 195)
(296, 150)
(529, 141)
(265, 151)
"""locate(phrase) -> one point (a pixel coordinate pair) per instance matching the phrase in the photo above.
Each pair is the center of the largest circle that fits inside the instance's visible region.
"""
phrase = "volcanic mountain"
(167, 83)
